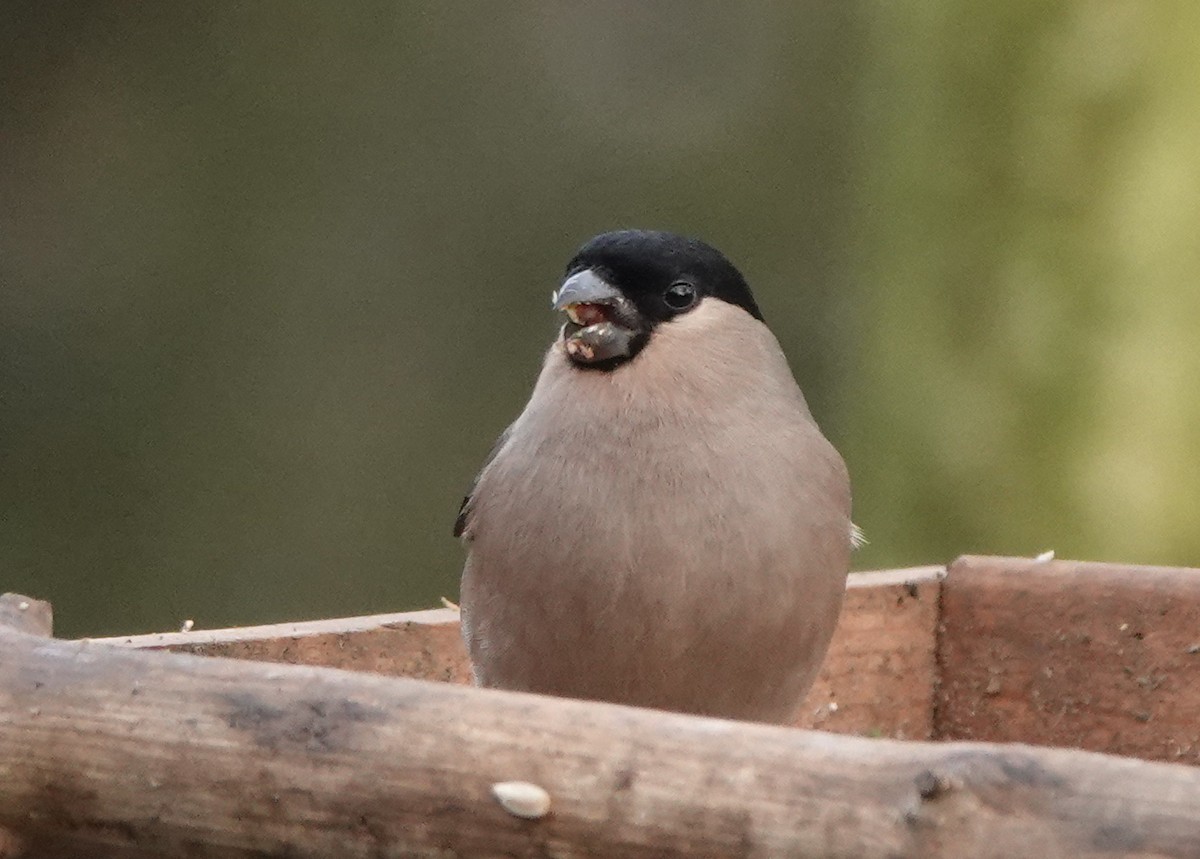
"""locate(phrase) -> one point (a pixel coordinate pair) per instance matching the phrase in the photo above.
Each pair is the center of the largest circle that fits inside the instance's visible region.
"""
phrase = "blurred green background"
(273, 276)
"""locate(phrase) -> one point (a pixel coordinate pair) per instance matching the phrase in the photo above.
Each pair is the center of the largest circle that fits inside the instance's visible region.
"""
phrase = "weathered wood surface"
(115, 752)
(23, 614)
(1104, 657)
(880, 676)
(423, 645)
(877, 680)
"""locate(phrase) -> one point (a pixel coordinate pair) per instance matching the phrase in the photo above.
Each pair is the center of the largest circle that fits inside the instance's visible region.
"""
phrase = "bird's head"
(621, 286)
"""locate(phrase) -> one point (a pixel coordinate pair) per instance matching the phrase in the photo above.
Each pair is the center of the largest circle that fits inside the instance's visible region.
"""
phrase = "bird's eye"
(680, 295)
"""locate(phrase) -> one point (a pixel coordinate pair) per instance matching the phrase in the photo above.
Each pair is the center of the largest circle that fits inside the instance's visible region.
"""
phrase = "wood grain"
(878, 678)
(24, 614)
(1096, 656)
(880, 675)
(115, 752)
(424, 645)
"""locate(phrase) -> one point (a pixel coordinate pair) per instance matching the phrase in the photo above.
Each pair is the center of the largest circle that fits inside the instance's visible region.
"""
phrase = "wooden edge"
(27, 615)
(291, 630)
(109, 751)
(902, 576)
(878, 678)
(424, 645)
(1098, 656)
(880, 674)
(423, 617)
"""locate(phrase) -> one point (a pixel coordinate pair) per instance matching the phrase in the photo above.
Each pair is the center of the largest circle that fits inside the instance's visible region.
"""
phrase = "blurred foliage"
(273, 276)
(1027, 259)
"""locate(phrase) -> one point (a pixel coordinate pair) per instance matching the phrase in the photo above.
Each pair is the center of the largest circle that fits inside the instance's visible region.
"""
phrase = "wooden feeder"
(952, 713)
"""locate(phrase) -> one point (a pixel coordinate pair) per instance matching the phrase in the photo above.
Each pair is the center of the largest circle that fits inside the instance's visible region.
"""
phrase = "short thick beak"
(585, 287)
(603, 325)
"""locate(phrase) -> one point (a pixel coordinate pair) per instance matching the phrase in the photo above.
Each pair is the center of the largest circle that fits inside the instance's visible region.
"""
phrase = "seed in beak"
(586, 314)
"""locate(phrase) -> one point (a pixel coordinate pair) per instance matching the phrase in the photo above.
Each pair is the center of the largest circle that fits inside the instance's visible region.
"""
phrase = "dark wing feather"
(464, 511)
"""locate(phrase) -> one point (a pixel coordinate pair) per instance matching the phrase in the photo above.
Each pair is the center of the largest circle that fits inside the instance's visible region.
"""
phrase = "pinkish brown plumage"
(670, 531)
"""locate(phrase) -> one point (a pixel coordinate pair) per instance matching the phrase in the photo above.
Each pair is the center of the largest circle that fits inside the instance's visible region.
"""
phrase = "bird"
(663, 525)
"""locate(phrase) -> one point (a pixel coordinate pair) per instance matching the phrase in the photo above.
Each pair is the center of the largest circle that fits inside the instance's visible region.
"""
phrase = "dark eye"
(680, 295)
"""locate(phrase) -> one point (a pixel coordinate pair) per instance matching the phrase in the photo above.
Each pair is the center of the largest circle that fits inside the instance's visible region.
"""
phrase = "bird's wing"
(464, 511)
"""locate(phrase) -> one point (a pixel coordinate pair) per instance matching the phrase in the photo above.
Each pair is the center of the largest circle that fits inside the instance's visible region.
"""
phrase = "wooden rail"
(1103, 657)
(878, 679)
(111, 747)
(1096, 656)
(116, 752)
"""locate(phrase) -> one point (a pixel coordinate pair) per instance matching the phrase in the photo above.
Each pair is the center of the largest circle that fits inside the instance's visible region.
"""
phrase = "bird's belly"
(583, 593)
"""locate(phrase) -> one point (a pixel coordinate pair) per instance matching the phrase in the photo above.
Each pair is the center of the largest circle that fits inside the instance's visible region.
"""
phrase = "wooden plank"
(881, 672)
(878, 679)
(424, 645)
(28, 615)
(109, 752)
(1095, 656)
